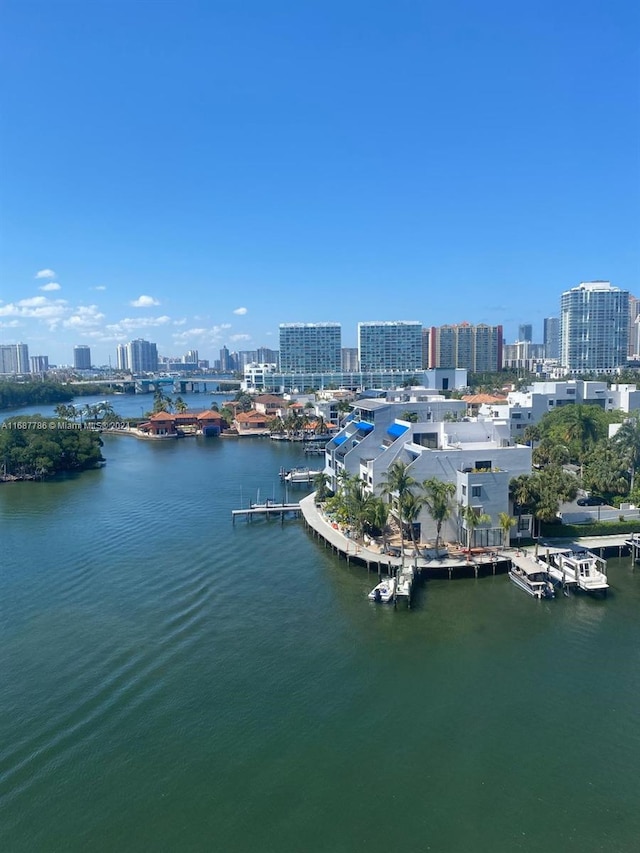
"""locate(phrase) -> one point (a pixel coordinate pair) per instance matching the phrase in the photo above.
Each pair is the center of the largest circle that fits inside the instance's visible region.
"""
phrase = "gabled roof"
(269, 398)
(245, 417)
(209, 415)
(162, 416)
(476, 399)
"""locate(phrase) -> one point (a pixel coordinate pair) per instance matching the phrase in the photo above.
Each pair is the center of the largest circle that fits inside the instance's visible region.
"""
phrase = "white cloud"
(12, 324)
(203, 336)
(144, 302)
(45, 274)
(236, 338)
(131, 324)
(181, 322)
(52, 285)
(100, 287)
(85, 316)
(38, 308)
(240, 311)
(33, 302)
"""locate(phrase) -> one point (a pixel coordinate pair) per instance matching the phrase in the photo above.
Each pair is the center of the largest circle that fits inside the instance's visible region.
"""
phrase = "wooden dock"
(266, 510)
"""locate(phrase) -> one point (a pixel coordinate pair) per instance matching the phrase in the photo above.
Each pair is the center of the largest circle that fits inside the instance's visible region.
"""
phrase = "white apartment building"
(14, 358)
(594, 328)
(391, 345)
(526, 408)
(478, 457)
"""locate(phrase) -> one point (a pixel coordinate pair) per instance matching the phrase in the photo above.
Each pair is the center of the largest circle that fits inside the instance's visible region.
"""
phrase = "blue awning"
(339, 439)
(365, 426)
(396, 430)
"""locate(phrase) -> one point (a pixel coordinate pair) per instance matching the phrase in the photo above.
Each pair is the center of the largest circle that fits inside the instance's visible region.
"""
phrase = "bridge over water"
(168, 384)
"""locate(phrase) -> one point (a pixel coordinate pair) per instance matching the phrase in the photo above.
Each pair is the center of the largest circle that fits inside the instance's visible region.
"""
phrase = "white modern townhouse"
(479, 457)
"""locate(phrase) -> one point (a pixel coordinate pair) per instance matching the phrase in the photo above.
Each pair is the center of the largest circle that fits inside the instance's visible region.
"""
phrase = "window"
(464, 491)
(476, 491)
(483, 465)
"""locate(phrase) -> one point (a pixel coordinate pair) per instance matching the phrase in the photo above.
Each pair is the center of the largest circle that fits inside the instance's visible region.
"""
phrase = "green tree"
(377, 517)
(605, 471)
(321, 486)
(577, 426)
(627, 442)
(397, 483)
(411, 506)
(161, 402)
(180, 405)
(438, 499)
(64, 411)
(506, 523)
(472, 517)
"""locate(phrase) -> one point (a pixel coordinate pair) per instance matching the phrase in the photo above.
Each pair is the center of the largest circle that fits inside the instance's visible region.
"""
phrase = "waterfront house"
(210, 422)
(269, 405)
(251, 423)
(478, 457)
(160, 423)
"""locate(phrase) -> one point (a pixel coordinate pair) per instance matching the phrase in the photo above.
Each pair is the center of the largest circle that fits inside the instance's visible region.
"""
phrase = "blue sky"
(196, 173)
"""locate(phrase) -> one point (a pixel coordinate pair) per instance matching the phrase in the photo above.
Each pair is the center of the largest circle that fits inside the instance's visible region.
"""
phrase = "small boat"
(532, 577)
(579, 568)
(383, 591)
(299, 475)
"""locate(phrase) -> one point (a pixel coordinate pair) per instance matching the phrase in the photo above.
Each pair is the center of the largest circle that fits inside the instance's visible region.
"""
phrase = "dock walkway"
(266, 510)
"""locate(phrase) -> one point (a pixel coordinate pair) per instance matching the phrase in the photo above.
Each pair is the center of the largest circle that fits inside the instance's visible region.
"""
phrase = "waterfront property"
(167, 424)
(478, 458)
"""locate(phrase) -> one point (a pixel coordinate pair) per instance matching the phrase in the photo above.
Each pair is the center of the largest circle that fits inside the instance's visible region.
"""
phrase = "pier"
(267, 510)
(405, 568)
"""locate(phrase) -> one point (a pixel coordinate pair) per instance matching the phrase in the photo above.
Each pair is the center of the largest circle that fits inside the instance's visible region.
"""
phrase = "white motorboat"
(532, 577)
(383, 591)
(581, 569)
(300, 475)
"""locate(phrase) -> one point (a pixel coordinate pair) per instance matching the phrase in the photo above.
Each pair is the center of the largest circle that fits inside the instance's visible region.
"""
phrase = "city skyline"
(243, 166)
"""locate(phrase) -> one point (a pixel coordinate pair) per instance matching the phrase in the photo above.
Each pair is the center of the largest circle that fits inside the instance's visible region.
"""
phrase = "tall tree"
(506, 523)
(397, 483)
(378, 516)
(473, 517)
(438, 499)
(627, 442)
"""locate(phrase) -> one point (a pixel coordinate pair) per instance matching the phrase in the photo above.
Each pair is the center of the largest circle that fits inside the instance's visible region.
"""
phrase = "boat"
(532, 576)
(578, 568)
(299, 475)
(384, 591)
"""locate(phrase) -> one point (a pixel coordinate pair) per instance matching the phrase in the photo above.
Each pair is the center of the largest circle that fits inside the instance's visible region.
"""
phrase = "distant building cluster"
(597, 331)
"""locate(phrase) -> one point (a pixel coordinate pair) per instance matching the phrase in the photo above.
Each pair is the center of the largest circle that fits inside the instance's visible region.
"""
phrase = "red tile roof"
(476, 399)
(209, 415)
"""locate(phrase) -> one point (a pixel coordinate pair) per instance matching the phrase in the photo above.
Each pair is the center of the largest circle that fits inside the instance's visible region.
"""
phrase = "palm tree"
(64, 411)
(378, 515)
(506, 523)
(627, 440)
(107, 411)
(473, 517)
(398, 482)
(411, 506)
(438, 499)
(180, 405)
(523, 492)
(605, 471)
(320, 484)
(161, 402)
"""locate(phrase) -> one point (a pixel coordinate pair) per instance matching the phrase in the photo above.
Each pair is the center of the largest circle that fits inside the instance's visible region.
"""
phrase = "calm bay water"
(171, 682)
